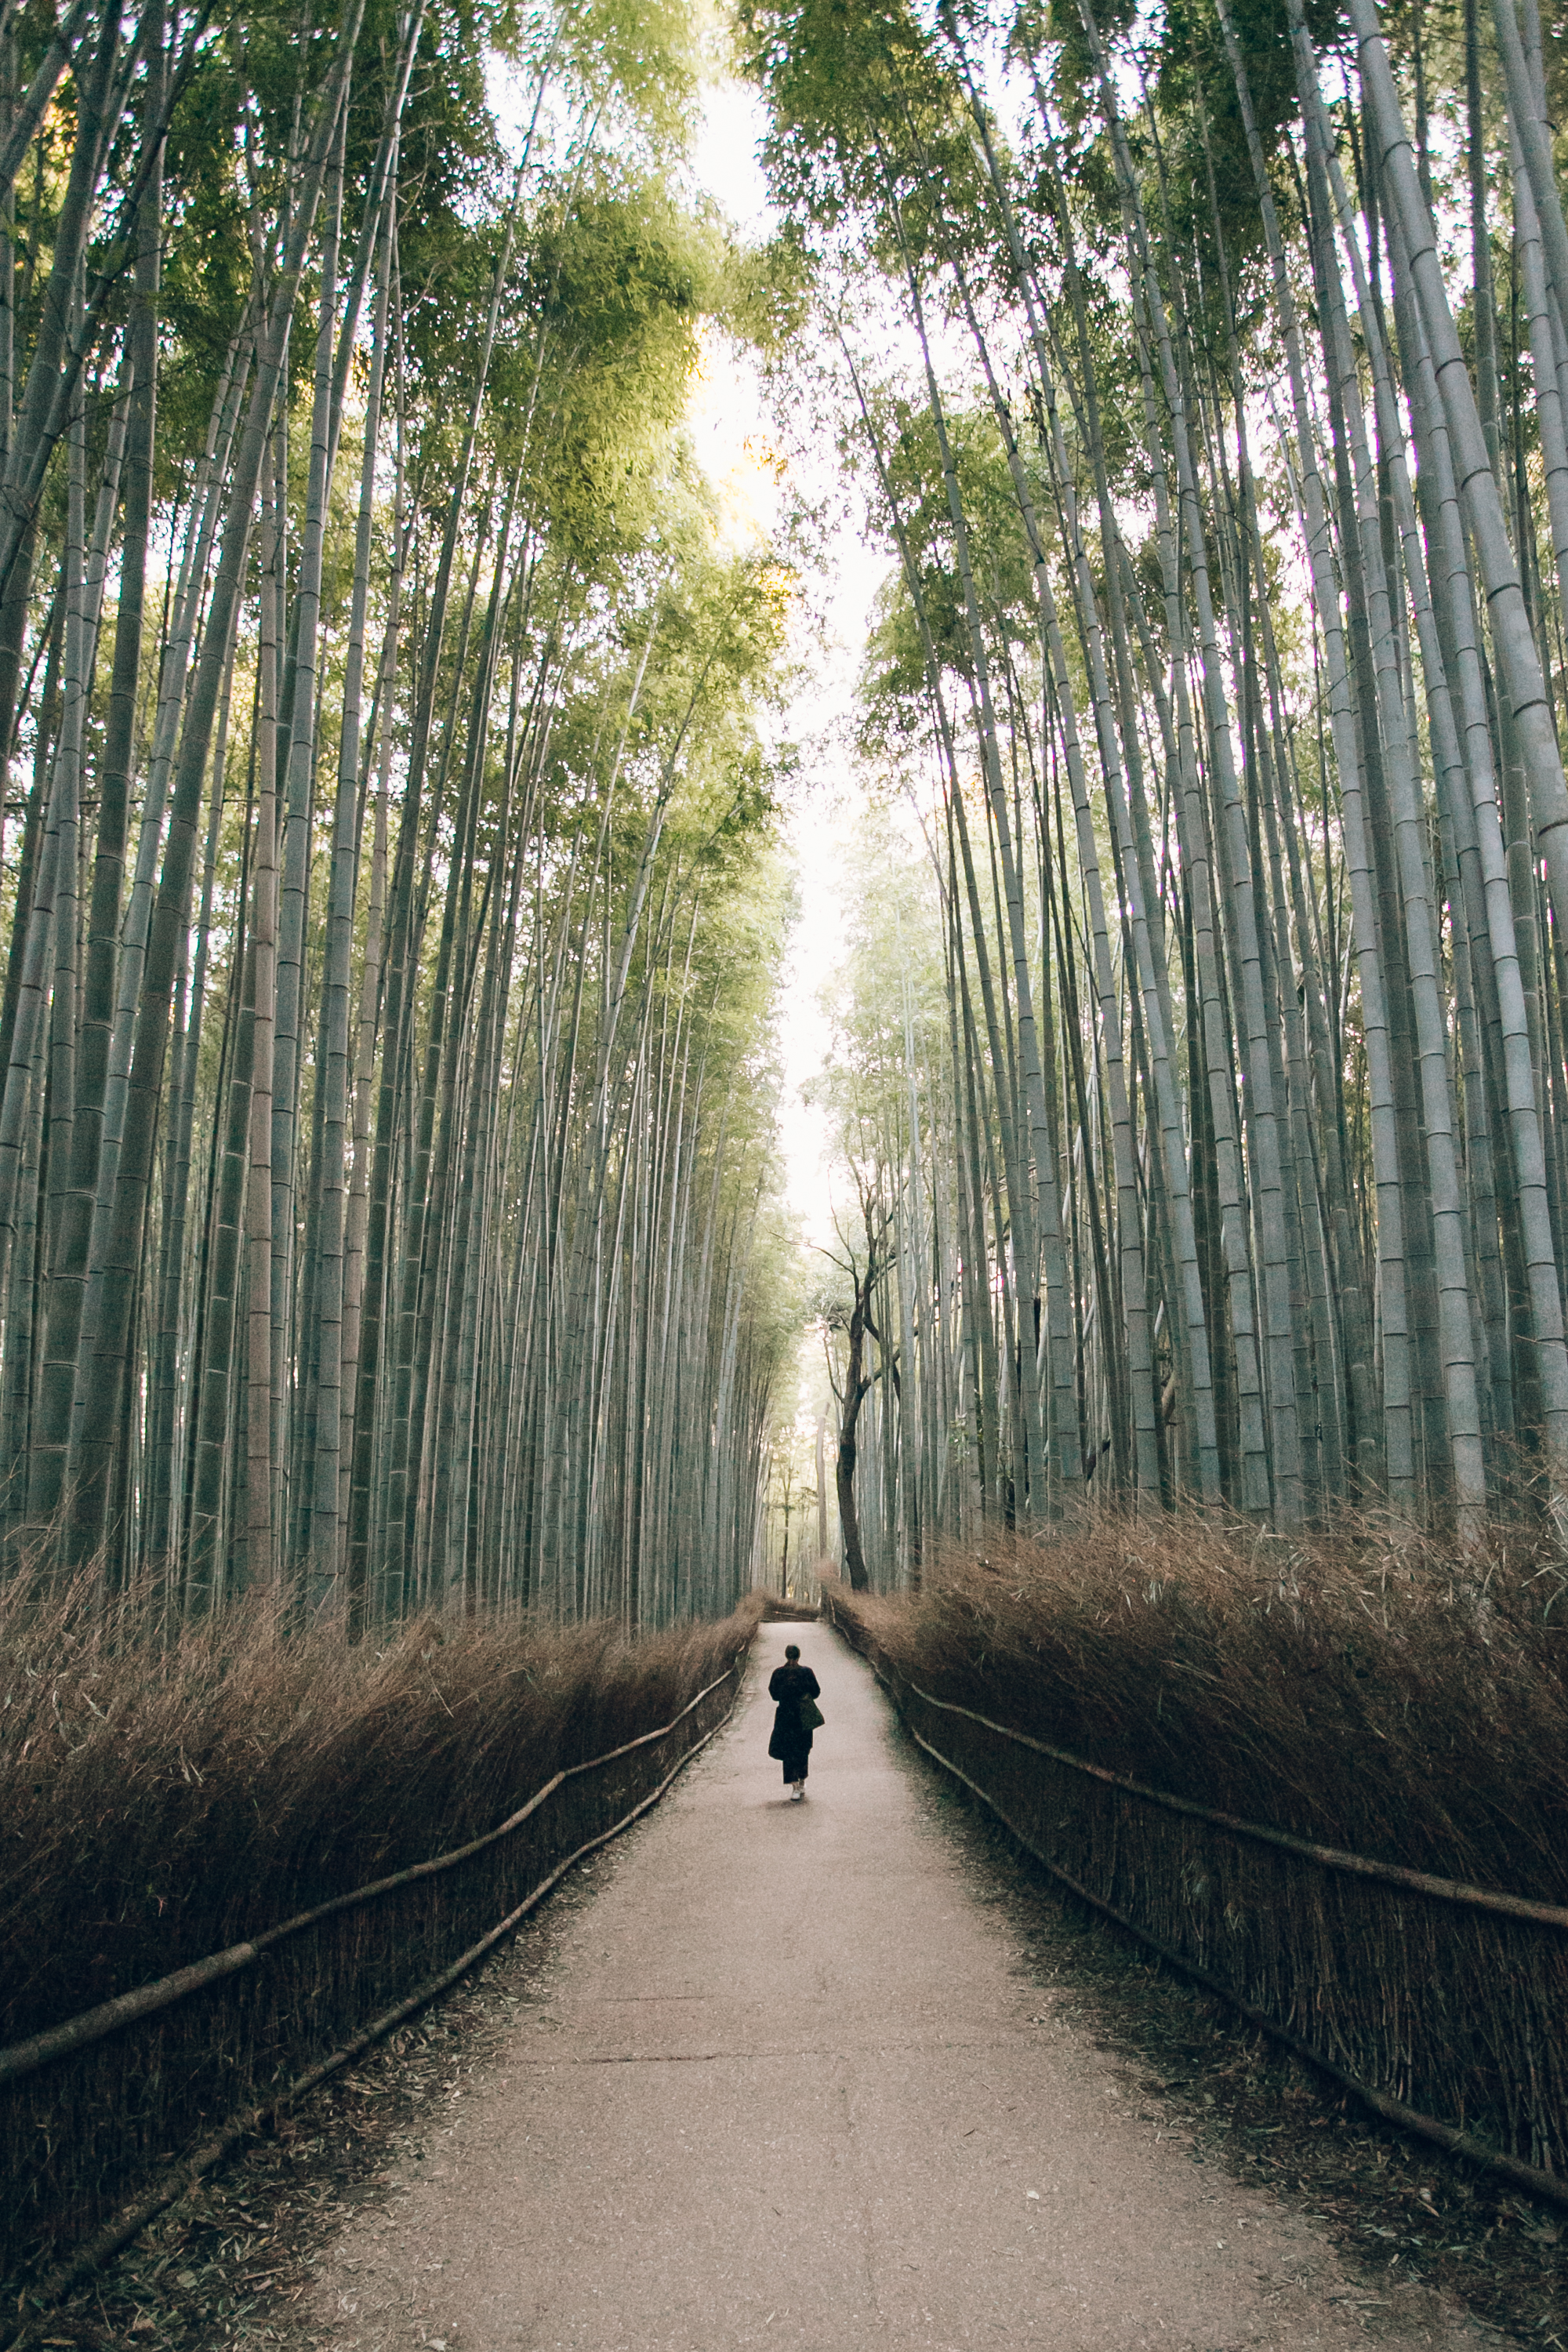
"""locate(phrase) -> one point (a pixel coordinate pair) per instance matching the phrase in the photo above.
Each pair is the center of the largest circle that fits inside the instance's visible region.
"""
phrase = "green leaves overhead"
(617, 284)
(1004, 568)
(856, 95)
(427, 1119)
(1202, 366)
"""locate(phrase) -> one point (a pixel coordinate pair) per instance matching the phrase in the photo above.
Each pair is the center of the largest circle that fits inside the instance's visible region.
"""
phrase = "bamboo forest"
(411, 784)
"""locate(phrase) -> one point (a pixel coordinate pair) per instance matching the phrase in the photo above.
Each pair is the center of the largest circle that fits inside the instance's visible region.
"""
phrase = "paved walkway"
(787, 2085)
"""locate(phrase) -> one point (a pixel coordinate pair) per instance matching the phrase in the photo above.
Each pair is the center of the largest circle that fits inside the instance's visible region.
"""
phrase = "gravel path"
(786, 2083)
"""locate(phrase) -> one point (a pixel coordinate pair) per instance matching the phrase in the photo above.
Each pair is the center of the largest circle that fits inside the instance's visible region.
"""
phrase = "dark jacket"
(788, 1686)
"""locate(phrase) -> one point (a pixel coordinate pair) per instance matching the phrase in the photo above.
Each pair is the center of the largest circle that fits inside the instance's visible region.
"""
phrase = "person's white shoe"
(796, 1794)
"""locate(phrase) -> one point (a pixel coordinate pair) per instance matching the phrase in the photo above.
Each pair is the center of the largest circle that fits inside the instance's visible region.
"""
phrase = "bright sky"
(734, 435)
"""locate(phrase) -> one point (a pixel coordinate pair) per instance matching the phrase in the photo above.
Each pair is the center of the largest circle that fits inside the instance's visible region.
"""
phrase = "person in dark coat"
(791, 1742)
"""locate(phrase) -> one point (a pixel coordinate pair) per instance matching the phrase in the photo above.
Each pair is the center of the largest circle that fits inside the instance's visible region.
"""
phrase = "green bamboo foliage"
(393, 904)
(387, 1193)
(1225, 632)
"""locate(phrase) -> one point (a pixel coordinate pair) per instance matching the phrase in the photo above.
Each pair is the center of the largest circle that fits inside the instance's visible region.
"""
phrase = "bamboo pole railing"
(1359, 1865)
(1399, 1995)
(92, 2024)
(84, 2104)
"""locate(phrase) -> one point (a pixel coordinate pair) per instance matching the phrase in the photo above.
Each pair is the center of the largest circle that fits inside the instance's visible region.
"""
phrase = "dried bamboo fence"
(92, 2106)
(1443, 2007)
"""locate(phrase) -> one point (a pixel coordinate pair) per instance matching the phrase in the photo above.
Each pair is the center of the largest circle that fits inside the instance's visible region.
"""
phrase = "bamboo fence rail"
(1440, 2005)
(92, 2105)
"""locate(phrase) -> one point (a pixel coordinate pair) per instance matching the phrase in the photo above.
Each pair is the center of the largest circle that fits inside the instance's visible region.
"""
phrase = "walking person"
(795, 1690)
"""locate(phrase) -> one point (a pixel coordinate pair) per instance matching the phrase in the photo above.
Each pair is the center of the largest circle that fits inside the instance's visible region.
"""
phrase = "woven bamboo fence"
(94, 2105)
(1444, 2007)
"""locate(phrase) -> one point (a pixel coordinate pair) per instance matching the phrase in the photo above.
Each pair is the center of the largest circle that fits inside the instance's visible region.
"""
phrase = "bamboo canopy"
(388, 1206)
(1201, 1072)
(392, 857)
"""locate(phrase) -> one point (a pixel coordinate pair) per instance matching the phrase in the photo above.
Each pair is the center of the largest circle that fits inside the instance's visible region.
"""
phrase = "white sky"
(735, 437)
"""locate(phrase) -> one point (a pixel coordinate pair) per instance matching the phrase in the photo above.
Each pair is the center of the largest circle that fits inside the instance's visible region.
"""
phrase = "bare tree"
(866, 1273)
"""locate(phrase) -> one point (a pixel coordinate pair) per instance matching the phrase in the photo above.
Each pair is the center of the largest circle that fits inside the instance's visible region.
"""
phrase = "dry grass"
(1391, 1704)
(159, 1803)
(162, 1803)
(1376, 1697)
(1409, 2221)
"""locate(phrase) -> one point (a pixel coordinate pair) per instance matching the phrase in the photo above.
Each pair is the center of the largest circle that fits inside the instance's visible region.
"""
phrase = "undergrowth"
(1410, 2221)
(162, 1802)
(1378, 1696)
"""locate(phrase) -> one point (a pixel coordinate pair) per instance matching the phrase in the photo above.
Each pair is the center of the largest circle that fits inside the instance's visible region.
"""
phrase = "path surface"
(786, 2083)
